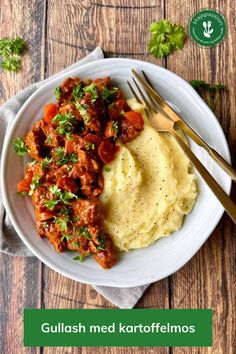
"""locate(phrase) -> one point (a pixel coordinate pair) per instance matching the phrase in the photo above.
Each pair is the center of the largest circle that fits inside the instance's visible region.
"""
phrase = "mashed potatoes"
(148, 189)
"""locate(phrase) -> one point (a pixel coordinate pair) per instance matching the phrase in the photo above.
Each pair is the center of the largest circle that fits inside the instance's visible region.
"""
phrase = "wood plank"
(74, 33)
(208, 280)
(20, 277)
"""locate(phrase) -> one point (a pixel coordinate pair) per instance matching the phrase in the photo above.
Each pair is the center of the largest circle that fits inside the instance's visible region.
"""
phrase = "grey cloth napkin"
(10, 242)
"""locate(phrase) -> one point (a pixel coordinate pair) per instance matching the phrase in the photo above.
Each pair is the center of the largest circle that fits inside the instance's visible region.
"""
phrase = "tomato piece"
(136, 119)
(24, 185)
(67, 184)
(50, 111)
(110, 132)
(106, 151)
(43, 215)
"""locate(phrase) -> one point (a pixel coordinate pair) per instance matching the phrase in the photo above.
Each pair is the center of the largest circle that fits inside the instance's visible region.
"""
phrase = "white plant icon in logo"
(207, 29)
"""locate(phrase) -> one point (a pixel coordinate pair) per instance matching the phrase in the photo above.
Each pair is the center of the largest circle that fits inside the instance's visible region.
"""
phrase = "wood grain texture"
(59, 34)
(20, 284)
(208, 281)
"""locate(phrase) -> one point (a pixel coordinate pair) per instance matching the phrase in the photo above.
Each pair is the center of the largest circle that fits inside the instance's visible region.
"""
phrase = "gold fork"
(163, 124)
(184, 126)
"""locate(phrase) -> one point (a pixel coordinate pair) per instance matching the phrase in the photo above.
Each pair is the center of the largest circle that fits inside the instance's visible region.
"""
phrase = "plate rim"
(7, 142)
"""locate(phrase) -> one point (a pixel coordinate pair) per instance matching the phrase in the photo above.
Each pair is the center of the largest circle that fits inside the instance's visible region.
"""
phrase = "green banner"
(137, 327)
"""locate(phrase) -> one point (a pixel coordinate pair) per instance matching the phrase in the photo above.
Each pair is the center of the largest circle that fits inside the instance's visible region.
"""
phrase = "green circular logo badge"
(207, 28)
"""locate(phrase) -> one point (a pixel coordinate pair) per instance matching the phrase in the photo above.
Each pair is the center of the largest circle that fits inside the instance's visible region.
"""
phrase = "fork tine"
(148, 111)
(150, 84)
(134, 93)
(147, 103)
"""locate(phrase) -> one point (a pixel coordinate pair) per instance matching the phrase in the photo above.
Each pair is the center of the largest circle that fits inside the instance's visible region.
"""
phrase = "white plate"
(167, 255)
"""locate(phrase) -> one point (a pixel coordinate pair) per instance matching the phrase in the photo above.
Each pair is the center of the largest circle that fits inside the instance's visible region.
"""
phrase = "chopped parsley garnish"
(10, 50)
(63, 158)
(101, 246)
(20, 147)
(46, 162)
(49, 140)
(57, 92)
(65, 211)
(78, 92)
(107, 93)
(34, 184)
(92, 88)
(89, 146)
(165, 38)
(115, 126)
(79, 258)
(107, 169)
(64, 197)
(66, 237)
(62, 222)
(83, 231)
(86, 117)
(65, 123)
(76, 218)
(50, 204)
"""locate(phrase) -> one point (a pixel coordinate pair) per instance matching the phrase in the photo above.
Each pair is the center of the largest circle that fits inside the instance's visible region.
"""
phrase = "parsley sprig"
(20, 147)
(210, 93)
(63, 158)
(65, 123)
(64, 197)
(83, 112)
(107, 93)
(165, 38)
(92, 88)
(10, 50)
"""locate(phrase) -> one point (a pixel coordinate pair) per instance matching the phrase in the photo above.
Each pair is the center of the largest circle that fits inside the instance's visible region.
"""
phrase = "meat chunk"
(127, 131)
(106, 257)
(34, 140)
(89, 211)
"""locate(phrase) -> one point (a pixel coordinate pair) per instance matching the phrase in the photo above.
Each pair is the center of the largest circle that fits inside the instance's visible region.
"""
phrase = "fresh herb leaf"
(115, 126)
(89, 146)
(107, 93)
(83, 231)
(165, 38)
(76, 218)
(86, 117)
(200, 84)
(11, 63)
(65, 123)
(63, 158)
(62, 223)
(10, 50)
(57, 92)
(79, 258)
(20, 147)
(49, 140)
(65, 211)
(101, 246)
(78, 92)
(92, 88)
(66, 237)
(107, 169)
(210, 93)
(64, 197)
(46, 162)
(34, 184)
(50, 204)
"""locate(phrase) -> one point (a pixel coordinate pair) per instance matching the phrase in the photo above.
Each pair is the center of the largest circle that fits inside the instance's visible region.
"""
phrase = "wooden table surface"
(58, 33)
